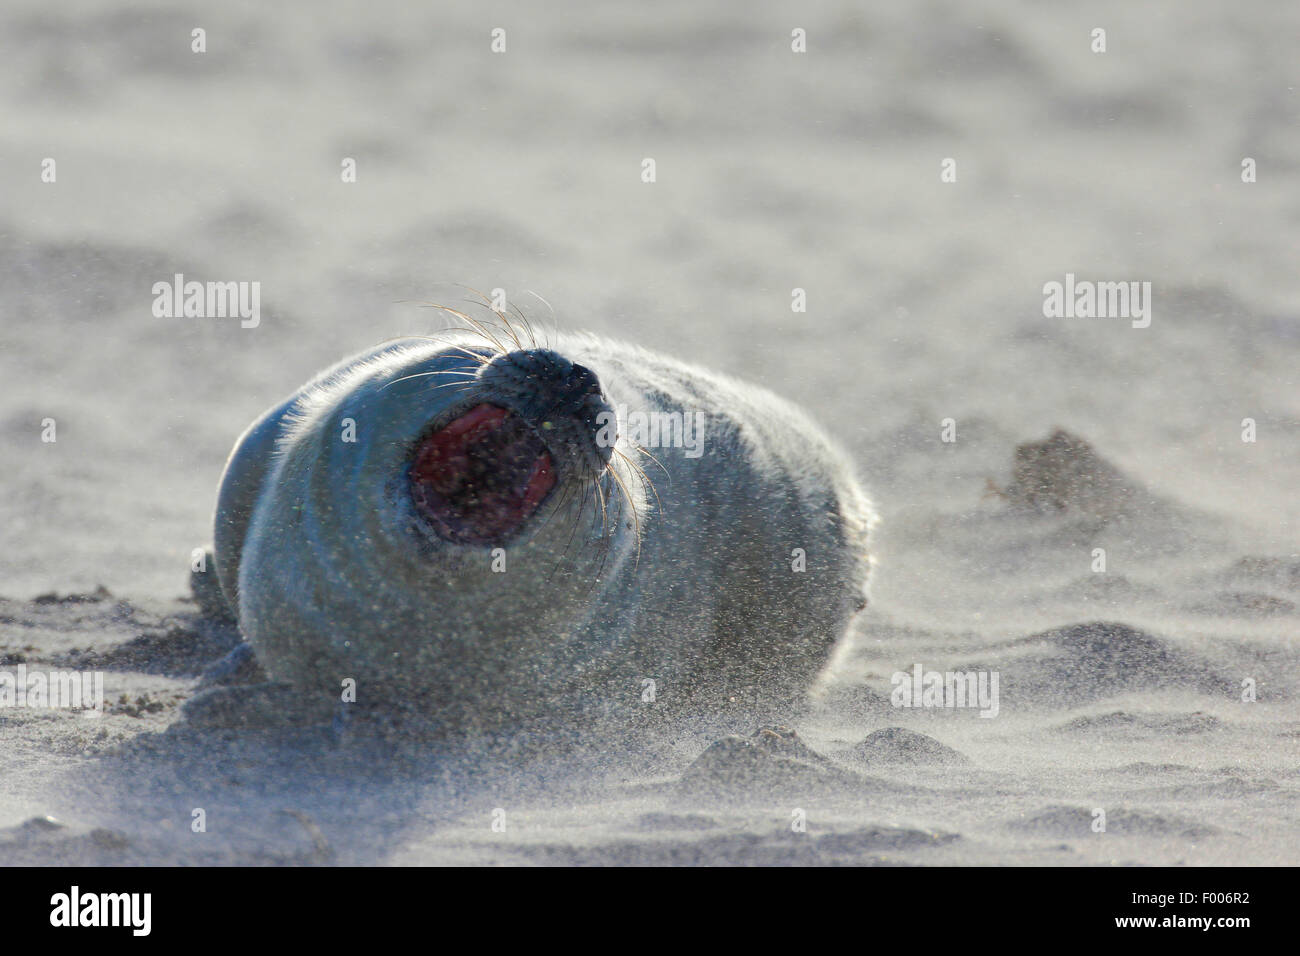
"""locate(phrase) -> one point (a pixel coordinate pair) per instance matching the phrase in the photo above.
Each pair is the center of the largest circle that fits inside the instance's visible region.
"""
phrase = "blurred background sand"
(775, 170)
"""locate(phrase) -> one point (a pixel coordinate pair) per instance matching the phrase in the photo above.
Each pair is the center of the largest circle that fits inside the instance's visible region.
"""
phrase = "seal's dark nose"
(572, 393)
(558, 386)
(561, 398)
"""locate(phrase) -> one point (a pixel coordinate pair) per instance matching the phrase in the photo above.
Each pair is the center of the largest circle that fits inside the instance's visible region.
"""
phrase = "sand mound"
(898, 745)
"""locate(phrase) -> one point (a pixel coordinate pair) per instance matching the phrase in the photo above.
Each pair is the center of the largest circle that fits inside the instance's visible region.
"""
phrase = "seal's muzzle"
(480, 477)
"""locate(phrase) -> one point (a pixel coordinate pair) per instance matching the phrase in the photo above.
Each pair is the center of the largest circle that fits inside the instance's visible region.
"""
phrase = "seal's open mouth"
(477, 479)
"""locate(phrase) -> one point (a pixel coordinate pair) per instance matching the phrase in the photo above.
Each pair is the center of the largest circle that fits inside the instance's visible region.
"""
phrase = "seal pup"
(464, 526)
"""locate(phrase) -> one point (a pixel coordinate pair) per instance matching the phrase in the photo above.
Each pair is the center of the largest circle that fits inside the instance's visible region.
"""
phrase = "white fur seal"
(462, 524)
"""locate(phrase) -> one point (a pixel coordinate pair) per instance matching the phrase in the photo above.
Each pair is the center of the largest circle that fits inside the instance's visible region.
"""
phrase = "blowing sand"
(1123, 692)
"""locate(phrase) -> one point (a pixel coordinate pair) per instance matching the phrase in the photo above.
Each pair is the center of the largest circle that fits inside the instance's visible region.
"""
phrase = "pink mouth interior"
(478, 479)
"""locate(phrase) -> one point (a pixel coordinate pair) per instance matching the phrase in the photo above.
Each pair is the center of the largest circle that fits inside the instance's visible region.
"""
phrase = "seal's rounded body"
(473, 529)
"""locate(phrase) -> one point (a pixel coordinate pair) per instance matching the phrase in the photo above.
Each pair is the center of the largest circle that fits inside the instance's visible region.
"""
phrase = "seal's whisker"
(551, 308)
(539, 298)
(565, 495)
(606, 547)
(604, 513)
(504, 325)
(607, 539)
(476, 326)
(604, 544)
(509, 329)
(483, 329)
(523, 320)
(600, 564)
(573, 530)
(645, 479)
(465, 373)
(636, 519)
(634, 464)
(479, 359)
(641, 451)
(441, 336)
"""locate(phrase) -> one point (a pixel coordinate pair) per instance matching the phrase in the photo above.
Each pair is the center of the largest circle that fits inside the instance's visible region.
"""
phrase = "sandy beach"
(923, 172)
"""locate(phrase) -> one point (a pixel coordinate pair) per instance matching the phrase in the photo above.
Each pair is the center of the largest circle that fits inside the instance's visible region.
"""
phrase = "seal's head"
(533, 422)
